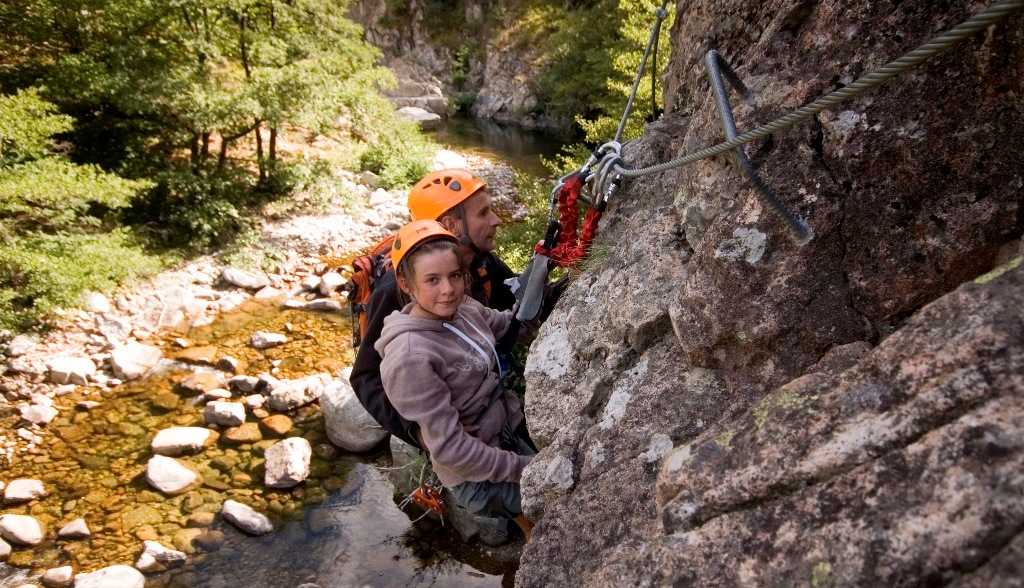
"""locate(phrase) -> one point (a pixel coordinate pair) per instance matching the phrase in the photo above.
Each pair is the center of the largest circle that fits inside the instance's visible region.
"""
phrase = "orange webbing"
(572, 245)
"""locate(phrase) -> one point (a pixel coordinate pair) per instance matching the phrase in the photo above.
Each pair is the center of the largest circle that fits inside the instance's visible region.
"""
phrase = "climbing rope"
(935, 46)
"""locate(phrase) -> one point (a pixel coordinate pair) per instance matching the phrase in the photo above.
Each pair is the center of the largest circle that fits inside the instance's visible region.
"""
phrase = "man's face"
(481, 221)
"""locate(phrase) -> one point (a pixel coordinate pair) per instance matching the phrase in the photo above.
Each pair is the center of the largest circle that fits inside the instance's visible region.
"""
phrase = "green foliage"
(27, 123)
(40, 273)
(196, 212)
(399, 154)
(515, 241)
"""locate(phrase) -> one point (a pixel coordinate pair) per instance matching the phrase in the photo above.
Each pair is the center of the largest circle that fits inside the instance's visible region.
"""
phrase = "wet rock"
(348, 424)
(23, 490)
(166, 400)
(168, 475)
(245, 518)
(265, 340)
(118, 576)
(291, 394)
(202, 355)
(287, 463)
(157, 558)
(323, 305)
(330, 282)
(246, 433)
(58, 577)
(216, 394)
(70, 370)
(21, 344)
(243, 384)
(200, 382)
(176, 441)
(5, 550)
(244, 279)
(268, 293)
(209, 540)
(76, 529)
(228, 414)
(200, 519)
(21, 529)
(38, 414)
(229, 364)
(134, 360)
(277, 424)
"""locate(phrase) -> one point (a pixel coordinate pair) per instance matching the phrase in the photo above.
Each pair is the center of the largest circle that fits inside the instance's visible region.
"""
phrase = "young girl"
(440, 370)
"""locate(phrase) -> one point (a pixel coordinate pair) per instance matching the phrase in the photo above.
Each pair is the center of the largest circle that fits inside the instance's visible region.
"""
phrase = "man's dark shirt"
(488, 287)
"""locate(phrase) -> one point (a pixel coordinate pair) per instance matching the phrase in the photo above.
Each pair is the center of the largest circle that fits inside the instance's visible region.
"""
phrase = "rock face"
(348, 424)
(717, 405)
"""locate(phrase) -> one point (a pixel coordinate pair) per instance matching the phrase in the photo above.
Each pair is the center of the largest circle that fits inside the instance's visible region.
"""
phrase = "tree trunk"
(194, 153)
(204, 153)
(259, 154)
(222, 157)
(273, 146)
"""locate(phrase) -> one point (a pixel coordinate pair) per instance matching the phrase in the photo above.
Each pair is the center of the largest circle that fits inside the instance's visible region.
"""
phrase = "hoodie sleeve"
(421, 395)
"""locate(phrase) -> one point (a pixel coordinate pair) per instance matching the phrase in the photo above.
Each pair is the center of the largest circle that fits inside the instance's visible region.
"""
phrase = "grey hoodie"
(435, 378)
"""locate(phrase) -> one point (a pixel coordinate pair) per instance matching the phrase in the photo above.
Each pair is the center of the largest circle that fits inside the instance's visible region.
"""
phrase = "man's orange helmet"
(413, 234)
(440, 191)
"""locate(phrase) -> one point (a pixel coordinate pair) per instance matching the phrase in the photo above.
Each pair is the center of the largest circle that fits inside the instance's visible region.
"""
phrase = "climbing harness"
(718, 67)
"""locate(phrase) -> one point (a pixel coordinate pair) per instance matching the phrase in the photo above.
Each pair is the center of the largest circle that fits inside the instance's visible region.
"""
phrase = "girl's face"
(438, 284)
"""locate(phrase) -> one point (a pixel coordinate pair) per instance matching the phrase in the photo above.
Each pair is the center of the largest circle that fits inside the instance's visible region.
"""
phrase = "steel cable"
(938, 44)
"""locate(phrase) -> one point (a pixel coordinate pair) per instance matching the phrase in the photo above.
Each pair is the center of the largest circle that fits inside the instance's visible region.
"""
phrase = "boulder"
(38, 414)
(245, 518)
(176, 441)
(244, 279)
(118, 576)
(268, 293)
(265, 340)
(21, 344)
(76, 529)
(58, 577)
(23, 490)
(21, 529)
(330, 282)
(169, 476)
(134, 360)
(243, 384)
(70, 370)
(287, 463)
(291, 394)
(156, 558)
(348, 424)
(227, 414)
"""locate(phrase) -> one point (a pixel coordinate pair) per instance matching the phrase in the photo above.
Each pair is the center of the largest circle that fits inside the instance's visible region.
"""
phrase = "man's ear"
(453, 224)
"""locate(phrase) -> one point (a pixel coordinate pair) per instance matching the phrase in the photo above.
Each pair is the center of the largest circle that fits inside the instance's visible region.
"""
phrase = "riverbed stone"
(70, 369)
(266, 340)
(229, 363)
(21, 344)
(287, 463)
(323, 305)
(243, 384)
(134, 360)
(245, 518)
(291, 394)
(5, 550)
(176, 441)
(38, 414)
(21, 529)
(254, 401)
(200, 382)
(209, 540)
(216, 394)
(168, 475)
(348, 424)
(425, 119)
(244, 433)
(141, 515)
(58, 577)
(277, 424)
(155, 557)
(244, 279)
(76, 529)
(227, 414)
(200, 354)
(183, 539)
(117, 576)
(166, 400)
(23, 490)
(330, 282)
(200, 519)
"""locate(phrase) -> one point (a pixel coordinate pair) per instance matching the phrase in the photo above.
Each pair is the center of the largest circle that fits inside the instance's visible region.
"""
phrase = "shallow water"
(522, 149)
(342, 527)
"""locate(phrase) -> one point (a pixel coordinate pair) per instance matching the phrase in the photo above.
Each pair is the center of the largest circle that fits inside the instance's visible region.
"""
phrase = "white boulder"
(227, 414)
(38, 414)
(58, 577)
(329, 282)
(70, 369)
(96, 302)
(245, 518)
(5, 550)
(168, 475)
(21, 345)
(323, 305)
(265, 340)
(119, 576)
(133, 360)
(291, 394)
(23, 490)
(243, 279)
(176, 441)
(287, 463)
(348, 424)
(76, 529)
(157, 558)
(21, 529)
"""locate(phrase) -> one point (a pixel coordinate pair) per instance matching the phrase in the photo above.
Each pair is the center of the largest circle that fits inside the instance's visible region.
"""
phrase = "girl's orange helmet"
(413, 234)
(440, 191)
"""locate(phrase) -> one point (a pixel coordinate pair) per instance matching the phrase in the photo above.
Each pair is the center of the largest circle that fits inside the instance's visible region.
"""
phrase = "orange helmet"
(440, 191)
(413, 234)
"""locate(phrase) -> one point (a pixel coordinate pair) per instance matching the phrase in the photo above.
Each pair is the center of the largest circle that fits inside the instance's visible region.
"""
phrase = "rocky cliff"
(720, 406)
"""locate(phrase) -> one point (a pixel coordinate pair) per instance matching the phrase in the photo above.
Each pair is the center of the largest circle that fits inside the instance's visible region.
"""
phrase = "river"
(341, 527)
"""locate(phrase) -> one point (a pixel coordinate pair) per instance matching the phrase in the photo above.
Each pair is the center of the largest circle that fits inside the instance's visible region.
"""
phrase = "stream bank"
(85, 430)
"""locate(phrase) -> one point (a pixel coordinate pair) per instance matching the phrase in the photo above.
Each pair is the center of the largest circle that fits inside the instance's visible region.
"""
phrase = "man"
(461, 203)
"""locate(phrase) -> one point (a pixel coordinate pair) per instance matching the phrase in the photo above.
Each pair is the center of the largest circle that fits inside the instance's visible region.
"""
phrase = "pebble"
(21, 529)
(76, 529)
(227, 414)
(175, 441)
(168, 475)
(277, 424)
(38, 414)
(156, 558)
(266, 340)
(58, 577)
(119, 576)
(246, 433)
(23, 490)
(245, 518)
